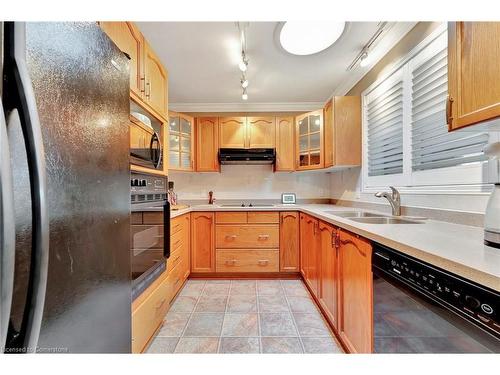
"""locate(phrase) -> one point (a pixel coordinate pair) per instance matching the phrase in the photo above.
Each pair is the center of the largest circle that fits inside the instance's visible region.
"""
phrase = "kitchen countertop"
(453, 247)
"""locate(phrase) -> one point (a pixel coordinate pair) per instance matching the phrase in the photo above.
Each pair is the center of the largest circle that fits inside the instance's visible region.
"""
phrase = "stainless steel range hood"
(247, 156)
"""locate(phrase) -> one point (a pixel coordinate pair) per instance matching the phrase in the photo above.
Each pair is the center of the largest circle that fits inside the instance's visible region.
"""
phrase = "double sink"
(373, 218)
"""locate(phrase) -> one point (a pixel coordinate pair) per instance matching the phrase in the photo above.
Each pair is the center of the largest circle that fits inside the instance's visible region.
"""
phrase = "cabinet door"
(346, 135)
(181, 142)
(309, 142)
(329, 272)
(130, 41)
(356, 293)
(285, 144)
(303, 245)
(207, 144)
(289, 241)
(473, 73)
(156, 81)
(232, 132)
(261, 132)
(186, 244)
(309, 247)
(329, 133)
(202, 242)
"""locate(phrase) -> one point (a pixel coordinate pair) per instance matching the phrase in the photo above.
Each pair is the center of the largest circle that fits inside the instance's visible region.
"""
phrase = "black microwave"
(145, 146)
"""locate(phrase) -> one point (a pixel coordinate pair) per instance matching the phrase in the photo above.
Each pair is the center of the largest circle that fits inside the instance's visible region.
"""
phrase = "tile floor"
(244, 316)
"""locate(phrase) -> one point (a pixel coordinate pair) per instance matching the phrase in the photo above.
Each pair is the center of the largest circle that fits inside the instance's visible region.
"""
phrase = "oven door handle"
(166, 229)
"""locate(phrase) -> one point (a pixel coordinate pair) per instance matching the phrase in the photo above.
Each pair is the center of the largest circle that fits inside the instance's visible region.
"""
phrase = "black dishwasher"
(419, 308)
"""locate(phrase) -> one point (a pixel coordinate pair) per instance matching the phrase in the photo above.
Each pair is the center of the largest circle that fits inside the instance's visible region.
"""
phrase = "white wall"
(250, 182)
(346, 185)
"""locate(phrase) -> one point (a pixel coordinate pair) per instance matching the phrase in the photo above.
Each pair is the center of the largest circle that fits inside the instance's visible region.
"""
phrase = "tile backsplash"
(250, 182)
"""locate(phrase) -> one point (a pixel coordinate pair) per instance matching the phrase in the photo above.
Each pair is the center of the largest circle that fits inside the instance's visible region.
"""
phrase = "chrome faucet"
(394, 199)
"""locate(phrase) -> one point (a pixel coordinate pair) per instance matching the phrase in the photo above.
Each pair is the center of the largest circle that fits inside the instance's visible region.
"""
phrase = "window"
(406, 142)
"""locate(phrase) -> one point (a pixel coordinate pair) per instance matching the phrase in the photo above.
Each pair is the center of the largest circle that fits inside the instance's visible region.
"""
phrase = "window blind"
(384, 116)
(432, 145)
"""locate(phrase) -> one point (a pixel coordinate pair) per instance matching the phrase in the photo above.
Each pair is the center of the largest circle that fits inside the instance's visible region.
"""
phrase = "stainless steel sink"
(384, 220)
(351, 214)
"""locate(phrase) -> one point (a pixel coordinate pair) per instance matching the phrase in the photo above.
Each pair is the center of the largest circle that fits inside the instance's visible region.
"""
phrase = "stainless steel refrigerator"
(65, 198)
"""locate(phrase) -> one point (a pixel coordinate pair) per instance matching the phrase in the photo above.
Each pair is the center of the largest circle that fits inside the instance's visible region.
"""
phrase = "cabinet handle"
(449, 102)
(177, 281)
(143, 84)
(177, 258)
(231, 262)
(148, 90)
(176, 243)
(231, 237)
(263, 236)
(263, 262)
(160, 304)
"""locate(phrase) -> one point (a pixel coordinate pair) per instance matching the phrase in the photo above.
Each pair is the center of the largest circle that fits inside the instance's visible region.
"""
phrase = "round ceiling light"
(309, 37)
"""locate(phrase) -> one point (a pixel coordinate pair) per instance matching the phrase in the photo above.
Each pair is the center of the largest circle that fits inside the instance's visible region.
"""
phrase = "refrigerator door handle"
(7, 231)
(23, 104)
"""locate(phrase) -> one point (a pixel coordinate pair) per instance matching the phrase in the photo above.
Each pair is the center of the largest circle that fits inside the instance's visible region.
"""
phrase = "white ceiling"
(202, 57)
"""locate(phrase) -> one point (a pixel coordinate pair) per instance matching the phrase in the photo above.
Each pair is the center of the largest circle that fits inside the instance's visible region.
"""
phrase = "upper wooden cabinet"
(202, 242)
(155, 89)
(181, 142)
(285, 144)
(310, 142)
(356, 293)
(130, 41)
(148, 77)
(260, 132)
(342, 116)
(207, 144)
(232, 132)
(473, 73)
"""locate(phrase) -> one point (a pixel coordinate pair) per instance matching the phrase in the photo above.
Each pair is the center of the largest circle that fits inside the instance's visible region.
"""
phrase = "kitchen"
(167, 188)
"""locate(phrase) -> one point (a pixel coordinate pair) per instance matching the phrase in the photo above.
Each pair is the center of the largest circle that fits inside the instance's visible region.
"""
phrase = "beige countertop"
(453, 247)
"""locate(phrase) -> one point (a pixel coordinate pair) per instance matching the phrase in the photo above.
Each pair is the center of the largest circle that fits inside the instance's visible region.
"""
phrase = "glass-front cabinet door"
(310, 140)
(180, 145)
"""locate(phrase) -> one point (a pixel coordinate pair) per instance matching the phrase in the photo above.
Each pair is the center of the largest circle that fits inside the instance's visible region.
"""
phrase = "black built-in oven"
(149, 230)
(419, 308)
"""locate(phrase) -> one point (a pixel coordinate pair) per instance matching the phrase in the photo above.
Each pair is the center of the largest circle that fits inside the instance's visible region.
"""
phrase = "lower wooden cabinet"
(329, 271)
(310, 245)
(289, 242)
(356, 293)
(148, 315)
(202, 242)
(247, 260)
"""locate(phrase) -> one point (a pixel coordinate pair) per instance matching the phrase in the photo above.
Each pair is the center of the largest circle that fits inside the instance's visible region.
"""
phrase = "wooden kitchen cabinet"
(356, 293)
(207, 144)
(289, 242)
(129, 40)
(310, 246)
(202, 242)
(232, 132)
(473, 73)
(285, 144)
(329, 281)
(261, 132)
(181, 142)
(309, 147)
(342, 131)
(156, 77)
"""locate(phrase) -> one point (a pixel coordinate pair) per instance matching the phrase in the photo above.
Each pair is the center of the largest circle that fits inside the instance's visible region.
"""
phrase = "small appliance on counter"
(150, 243)
(492, 214)
(171, 196)
(288, 198)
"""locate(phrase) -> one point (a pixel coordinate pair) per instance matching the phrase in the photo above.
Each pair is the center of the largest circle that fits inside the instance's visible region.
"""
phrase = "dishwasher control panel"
(465, 297)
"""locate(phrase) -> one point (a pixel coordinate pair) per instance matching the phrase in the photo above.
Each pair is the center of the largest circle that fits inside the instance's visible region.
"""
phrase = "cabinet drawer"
(176, 278)
(174, 259)
(264, 217)
(247, 260)
(176, 225)
(247, 236)
(231, 217)
(176, 240)
(136, 218)
(155, 217)
(149, 315)
(146, 236)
